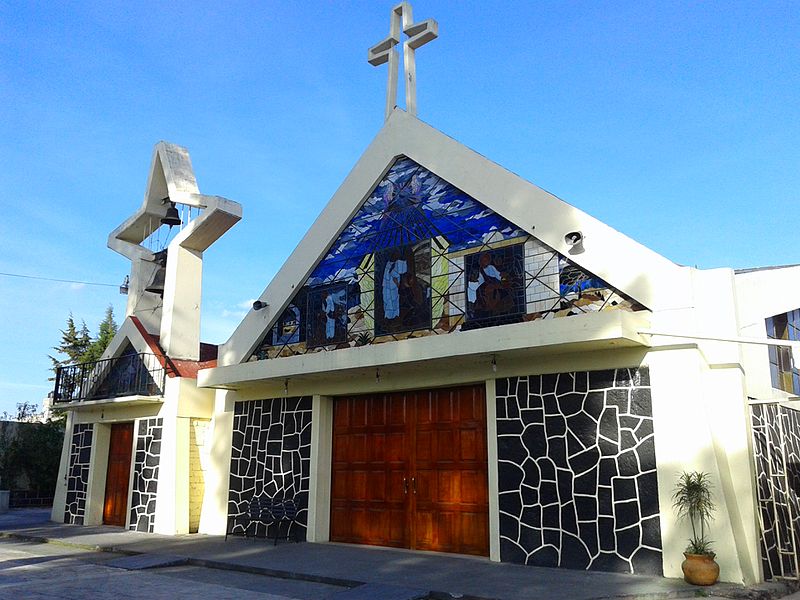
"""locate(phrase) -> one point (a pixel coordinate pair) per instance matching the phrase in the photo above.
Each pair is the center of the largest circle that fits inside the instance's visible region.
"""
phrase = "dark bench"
(271, 511)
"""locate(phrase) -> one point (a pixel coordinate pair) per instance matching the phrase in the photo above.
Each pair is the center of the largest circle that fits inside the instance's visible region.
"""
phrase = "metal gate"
(776, 455)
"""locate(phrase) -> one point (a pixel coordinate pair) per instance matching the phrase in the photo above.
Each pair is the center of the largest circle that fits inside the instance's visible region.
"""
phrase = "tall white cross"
(418, 35)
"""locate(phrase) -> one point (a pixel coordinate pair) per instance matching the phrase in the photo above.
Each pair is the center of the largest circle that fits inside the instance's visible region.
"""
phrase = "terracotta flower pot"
(700, 569)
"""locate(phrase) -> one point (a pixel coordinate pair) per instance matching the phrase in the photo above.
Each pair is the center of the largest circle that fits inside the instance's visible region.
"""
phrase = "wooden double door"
(410, 470)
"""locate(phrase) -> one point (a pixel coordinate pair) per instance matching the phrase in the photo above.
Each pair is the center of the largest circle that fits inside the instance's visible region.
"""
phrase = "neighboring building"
(452, 359)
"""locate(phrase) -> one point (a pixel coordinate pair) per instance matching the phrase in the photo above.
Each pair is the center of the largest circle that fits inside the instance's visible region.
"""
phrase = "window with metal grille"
(783, 371)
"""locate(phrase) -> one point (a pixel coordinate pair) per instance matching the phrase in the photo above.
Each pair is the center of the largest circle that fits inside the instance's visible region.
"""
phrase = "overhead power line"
(59, 280)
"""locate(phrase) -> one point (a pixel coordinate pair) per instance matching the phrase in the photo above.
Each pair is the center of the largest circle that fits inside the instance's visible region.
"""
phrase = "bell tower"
(165, 240)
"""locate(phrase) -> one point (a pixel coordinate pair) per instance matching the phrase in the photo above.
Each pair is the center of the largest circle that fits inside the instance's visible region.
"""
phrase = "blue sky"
(674, 122)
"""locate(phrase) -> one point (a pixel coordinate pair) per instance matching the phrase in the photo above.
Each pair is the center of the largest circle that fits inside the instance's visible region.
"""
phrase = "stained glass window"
(403, 298)
(421, 257)
(495, 285)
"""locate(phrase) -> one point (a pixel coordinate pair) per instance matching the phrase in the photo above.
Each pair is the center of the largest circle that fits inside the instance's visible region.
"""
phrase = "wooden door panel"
(409, 470)
(370, 462)
(115, 506)
(340, 522)
(398, 528)
(452, 504)
(471, 491)
(396, 449)
(471, 445)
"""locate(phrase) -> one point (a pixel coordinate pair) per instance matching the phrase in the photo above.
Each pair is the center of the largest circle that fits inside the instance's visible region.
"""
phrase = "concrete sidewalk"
(354, 566)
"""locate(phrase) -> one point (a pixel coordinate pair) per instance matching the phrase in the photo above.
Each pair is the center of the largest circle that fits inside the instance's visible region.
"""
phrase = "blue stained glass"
(421, 257)
(412, 204)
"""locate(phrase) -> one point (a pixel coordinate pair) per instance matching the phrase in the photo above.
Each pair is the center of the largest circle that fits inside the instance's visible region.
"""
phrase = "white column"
(491, 453)
(180, 321)
(98, 470)
(319, 490)
(214, 514)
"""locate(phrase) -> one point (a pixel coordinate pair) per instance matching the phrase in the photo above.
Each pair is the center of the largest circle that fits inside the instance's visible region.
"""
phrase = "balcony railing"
(128, 375)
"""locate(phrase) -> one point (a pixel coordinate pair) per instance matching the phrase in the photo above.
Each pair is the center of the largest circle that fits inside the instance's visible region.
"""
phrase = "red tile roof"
(178, 367)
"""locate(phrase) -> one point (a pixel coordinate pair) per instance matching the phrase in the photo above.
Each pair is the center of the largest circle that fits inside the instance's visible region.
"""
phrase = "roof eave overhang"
(580, 333)
(106, 402)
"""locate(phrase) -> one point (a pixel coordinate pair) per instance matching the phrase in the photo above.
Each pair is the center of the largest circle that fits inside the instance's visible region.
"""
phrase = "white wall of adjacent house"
(762, 294)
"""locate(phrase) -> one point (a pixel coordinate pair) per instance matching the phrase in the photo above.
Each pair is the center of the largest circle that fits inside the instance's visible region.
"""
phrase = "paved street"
(152, 566)
(35, 571)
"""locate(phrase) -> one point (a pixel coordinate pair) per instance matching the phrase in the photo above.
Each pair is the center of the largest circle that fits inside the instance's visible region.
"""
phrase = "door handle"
(413, 485)
(405, 485)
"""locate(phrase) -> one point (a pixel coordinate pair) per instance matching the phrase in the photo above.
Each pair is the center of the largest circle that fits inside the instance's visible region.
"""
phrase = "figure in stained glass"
(495, 286)
(403, 300)
(287, 330)
(327, 315)
(394, 269)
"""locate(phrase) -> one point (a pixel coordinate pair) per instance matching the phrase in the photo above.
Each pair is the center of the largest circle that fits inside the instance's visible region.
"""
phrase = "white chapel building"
(453, 360)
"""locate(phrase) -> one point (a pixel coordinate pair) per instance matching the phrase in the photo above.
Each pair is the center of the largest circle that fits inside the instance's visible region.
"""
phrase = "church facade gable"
(421, 257)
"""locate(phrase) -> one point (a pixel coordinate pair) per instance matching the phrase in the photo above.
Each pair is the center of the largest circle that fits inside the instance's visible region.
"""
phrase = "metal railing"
(29, 499)
(128, 375)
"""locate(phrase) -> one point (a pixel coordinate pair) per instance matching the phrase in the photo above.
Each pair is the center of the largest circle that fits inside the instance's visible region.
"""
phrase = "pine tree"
(78, 345)
(106, 332)
(84, 342)
(73, 344)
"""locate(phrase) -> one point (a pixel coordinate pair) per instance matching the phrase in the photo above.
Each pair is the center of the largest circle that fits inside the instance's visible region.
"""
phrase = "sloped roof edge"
(132, 330)
(622, 262)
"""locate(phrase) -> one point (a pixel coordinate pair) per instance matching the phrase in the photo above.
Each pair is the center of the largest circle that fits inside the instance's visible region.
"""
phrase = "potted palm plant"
(693, 501)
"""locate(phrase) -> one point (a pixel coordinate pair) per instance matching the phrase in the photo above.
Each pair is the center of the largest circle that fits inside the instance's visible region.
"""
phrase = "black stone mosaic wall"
(271, 456)
(577, 471)
(776, 448)
(145, 474)
(80, 453)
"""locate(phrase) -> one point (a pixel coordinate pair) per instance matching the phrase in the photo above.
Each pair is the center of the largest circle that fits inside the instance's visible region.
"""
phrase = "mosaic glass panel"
(495, 284)
(421, 257)
(327, 315)
(403, 300)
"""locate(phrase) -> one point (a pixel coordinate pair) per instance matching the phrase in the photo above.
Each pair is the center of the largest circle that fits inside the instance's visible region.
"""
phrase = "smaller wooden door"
(120, 446)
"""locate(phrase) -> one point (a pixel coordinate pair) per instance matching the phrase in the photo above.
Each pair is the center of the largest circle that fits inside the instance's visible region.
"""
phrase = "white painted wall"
(762, 294)
(493, 467)
(319, 488)
(214, 516)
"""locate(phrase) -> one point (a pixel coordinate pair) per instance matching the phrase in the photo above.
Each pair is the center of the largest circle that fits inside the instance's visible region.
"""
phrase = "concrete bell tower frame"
(176, 316)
